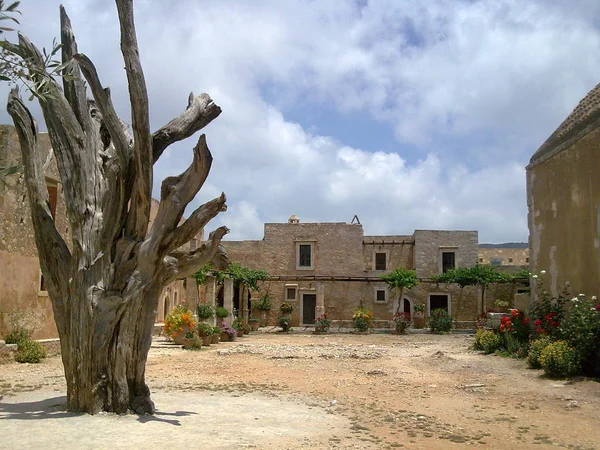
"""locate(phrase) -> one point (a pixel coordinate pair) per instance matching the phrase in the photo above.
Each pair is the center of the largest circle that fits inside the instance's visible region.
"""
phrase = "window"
(290, 293)
(527, 260)
(380, 295)
(304, 256)
(448, 261)
(510, 260)
(380, 261)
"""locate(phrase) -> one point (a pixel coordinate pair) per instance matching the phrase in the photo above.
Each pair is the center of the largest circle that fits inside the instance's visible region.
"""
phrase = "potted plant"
(286, 309)
(238, 326)
(205, 311)
(322, 324)
(419, 315)
(221, 314)
(205, 331)
(191, 341)
(227, 332)
(401, 322)
(284, 323)
(363, 319)
(253, 323)
(179, 322)
(264, 305)
(247, 328)
(216, 336)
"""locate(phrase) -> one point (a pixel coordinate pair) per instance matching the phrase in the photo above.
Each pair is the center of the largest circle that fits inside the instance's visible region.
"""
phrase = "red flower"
(550, 316)
(514, 312)
(537, 322)
(598, 307)
(526, 321)
(555, 324)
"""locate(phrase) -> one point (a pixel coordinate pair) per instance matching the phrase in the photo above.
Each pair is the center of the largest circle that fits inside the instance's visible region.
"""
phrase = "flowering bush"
(487, 340)
(548, 312)
(179, 318)
(535, 351)
(440, 321)
(516, 325)
(322, 323)
(286, 308)
(402, 321)
(581, 330)
(363, 319)
(226, 328)
(558, 360)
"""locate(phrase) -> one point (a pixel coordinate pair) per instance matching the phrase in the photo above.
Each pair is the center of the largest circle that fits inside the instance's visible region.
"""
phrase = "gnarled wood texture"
(105, 289)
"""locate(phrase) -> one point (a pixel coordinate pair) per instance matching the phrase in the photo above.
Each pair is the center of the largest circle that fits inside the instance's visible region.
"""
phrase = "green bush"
(285, 322)
(535, 351)
(440, 321)
(16, 336)
(559, 360)
(488, 341)
(205, 329)
(221, 312)
(205, 311)
(30, 351)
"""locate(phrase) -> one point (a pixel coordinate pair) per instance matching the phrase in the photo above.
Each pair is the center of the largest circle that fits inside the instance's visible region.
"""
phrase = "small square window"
(290, 294)
(380, 295)
(510, 260)
(527, 260)
(380, 261)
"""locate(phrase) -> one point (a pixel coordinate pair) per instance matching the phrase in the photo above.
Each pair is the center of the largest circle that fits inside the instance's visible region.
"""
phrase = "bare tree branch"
(196, 222)
(176, 193)
(184, 264)
(73, 88)
(200, 111)
(139, 213)
(113, 124)
(54, 254)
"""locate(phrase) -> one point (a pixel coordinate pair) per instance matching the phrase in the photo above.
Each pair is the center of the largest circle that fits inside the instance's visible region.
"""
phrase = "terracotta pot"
(254, 325)
(206, 340)
(179, 338)
(215, 339)
(419, 320)
(224, 337)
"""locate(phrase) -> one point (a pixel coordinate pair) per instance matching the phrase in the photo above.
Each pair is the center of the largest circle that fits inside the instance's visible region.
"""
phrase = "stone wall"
(504, 256)
(429, 245)
(563, 195)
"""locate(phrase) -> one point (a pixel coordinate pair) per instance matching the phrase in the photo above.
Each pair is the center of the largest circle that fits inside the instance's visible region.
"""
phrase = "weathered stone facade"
(504, 256)
(21, 283)
(563, 197)
(344, 266)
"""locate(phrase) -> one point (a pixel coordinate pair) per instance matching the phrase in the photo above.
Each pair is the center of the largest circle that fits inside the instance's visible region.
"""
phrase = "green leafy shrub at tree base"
(16, 336)
(30, 351)
(559, 360)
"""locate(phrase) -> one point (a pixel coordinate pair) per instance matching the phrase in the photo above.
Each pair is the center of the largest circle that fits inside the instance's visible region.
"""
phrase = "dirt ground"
(315, 391)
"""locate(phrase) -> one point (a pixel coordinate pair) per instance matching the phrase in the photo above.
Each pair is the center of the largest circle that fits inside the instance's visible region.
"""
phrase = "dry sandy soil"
(315, 391)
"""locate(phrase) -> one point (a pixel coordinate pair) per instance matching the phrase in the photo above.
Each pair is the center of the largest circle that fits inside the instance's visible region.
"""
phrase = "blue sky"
(410, 114)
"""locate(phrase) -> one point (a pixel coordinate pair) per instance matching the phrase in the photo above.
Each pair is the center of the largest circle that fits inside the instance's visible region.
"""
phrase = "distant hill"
(506, 245)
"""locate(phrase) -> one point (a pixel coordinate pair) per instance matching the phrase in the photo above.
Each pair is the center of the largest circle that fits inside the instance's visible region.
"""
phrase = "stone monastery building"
(333, 267)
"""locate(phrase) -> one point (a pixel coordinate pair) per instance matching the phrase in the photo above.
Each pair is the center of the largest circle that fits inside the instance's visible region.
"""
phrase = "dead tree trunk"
(105, 286)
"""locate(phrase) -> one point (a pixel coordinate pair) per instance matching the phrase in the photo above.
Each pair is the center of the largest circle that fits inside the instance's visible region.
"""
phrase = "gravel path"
(308, 391)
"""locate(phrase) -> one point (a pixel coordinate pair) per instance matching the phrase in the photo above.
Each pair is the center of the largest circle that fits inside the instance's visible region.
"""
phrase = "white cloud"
(490, 78)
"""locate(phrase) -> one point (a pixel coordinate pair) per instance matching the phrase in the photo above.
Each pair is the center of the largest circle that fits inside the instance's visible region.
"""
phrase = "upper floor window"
(304, 256)
(448, 261)
(380, 295)
(380, 261)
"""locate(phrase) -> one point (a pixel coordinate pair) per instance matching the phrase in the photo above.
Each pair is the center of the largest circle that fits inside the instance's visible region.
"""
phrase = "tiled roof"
(586, 113)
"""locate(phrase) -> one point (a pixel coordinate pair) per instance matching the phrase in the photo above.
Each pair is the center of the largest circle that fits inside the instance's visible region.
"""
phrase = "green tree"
(400, 279)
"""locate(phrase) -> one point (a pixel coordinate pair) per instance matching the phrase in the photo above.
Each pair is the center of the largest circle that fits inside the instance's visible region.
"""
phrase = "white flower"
(581, 295)
(543, 272)
(594, 298)
(574, 299)
(535, 276)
